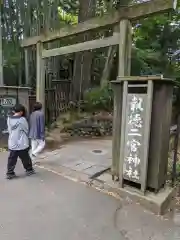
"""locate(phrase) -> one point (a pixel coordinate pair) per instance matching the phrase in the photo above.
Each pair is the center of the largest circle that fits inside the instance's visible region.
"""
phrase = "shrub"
(97, 99)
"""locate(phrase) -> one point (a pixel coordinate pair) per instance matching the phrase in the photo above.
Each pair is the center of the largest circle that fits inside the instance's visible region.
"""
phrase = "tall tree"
(83, 61)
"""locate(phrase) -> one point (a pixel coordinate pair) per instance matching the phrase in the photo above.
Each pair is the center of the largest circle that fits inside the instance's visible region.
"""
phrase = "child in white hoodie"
(18, 142)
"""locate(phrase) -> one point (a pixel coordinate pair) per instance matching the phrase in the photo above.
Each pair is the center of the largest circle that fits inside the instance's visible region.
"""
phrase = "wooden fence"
(56, 100)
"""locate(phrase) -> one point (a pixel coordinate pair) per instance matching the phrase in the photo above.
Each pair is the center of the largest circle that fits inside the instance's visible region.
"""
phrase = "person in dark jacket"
(18, 141)
(37, 130)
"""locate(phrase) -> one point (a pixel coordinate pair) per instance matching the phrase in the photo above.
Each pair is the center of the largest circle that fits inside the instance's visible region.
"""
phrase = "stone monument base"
(158, 203)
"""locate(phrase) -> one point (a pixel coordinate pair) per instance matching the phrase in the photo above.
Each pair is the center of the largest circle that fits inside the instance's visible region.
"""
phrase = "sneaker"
(10, 176)
(31, 172)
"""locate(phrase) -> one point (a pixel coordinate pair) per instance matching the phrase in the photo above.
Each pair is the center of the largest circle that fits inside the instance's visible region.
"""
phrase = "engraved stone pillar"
(145, 124)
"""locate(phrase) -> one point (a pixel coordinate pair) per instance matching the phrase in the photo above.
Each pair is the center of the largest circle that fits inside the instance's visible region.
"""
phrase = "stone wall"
(97, 125)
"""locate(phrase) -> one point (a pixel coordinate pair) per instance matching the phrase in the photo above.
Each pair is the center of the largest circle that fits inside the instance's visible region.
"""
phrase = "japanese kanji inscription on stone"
(134, 135)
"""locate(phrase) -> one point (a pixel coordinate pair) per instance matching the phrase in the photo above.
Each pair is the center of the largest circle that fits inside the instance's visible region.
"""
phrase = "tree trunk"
(82, 64)
(109, 62)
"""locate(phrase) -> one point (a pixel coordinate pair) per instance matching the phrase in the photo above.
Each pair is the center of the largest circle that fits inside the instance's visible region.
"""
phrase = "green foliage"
(156, 39)
(66, 17)
(98, 99)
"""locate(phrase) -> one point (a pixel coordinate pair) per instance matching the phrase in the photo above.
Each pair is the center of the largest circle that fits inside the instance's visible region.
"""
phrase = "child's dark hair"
(19, 108)
(37, 106)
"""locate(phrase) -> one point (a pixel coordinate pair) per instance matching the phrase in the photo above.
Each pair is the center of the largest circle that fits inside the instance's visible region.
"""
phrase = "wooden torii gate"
(122, 37)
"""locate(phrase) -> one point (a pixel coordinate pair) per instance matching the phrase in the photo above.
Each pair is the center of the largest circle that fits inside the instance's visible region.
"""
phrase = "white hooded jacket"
(18, 133)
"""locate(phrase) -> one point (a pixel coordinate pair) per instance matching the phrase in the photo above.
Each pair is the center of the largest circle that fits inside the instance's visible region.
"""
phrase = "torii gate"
(122, 37)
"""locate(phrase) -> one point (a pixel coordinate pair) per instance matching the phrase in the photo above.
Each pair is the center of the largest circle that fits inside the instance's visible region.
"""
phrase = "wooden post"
(116, 130)
(26, 67)
(40, 80)
(124, 68)
(125, 46)
(129, 47)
